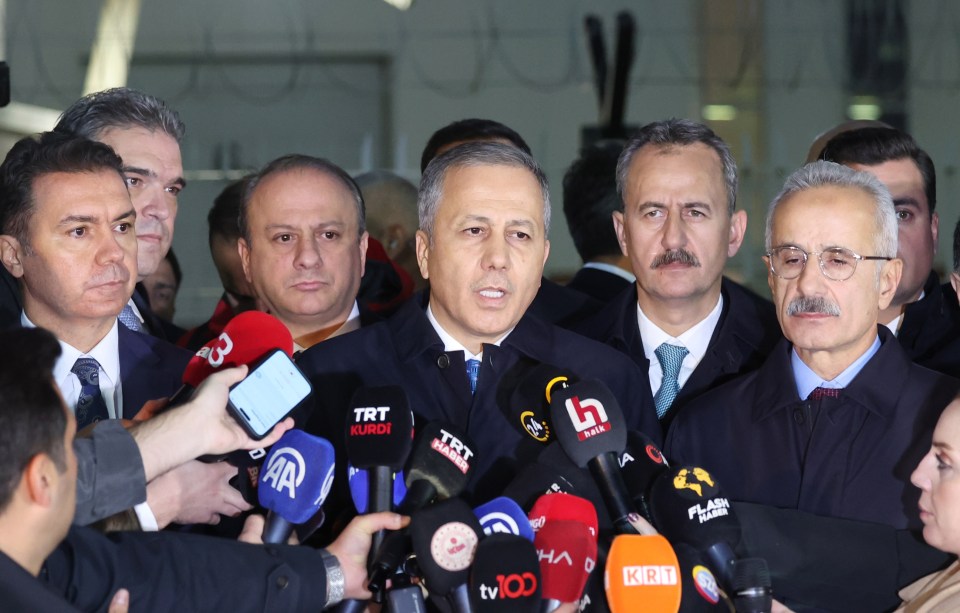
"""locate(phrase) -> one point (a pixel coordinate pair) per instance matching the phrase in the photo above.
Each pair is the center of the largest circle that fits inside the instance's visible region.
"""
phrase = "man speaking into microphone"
(484, 220)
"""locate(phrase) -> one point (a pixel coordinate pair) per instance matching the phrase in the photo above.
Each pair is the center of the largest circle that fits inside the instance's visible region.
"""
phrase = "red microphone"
(563, 507)
(567, 553)
(642, 570)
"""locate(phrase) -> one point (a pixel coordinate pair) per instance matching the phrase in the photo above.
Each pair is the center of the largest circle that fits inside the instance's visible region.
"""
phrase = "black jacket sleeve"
(110, 475)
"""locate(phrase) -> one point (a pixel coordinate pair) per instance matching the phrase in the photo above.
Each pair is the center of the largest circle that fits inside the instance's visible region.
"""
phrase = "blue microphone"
(294, 481)
(504, 516)
(359, 481)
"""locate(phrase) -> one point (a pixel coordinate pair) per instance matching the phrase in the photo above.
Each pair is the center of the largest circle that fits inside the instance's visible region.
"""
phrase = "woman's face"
(938, 477)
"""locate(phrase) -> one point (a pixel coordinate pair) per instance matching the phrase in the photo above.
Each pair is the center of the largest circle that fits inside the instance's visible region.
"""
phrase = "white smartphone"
(268, 394)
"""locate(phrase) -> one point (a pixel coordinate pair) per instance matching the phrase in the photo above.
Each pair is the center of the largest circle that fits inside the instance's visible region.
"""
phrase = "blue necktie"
(670, 357)
(473, 372)
(129, 318)
(90, 406)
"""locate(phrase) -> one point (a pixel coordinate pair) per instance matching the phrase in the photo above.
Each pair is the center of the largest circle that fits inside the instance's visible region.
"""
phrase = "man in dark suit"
(923, 314)
(484, 218)
(67, 226)
(838, 416)
(589, 200)
(683, 323)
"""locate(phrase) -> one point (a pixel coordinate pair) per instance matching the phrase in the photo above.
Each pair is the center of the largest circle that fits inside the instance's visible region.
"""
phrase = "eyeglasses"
(836, 263)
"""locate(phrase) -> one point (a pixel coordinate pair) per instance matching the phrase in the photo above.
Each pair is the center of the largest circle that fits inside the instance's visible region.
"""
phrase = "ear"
(619, 229)
(363, 252)
(955, 282)
(40, 480)
(11, 252)
(546, 254)
(890, 274)
(244, 250)
(935, 230)
(423, 254)
(771, 278)
(738, 229)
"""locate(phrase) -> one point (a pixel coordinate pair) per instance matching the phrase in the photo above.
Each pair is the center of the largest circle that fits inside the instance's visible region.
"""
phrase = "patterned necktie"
(129, 318)
(90, 406)
(473, 372)
(670, 357)
(824, 392)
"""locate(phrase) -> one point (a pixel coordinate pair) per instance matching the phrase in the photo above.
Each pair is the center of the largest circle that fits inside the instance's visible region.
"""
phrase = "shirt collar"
(613, 270)
(106, 353)
(807, 380)
(452, 344)
(696, 339)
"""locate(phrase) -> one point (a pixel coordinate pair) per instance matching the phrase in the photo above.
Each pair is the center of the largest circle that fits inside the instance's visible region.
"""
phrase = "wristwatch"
(336, 582)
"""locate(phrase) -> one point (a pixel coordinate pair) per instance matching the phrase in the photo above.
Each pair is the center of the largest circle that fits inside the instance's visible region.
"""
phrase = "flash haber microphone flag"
(505, 576)
(503, 516)
(689, 507)
(568, 554)
(590, 428)
(642, 570)
(563, 507)
(295, 480)
(445, 536)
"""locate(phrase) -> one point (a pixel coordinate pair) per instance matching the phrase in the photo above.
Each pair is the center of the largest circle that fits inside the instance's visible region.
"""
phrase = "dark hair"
(120, 107)
(872, 146)
(175, 266)
(35, 156)
(470, 130)
(32, 416)
(956, 247)
(590, 198)
(297, 161)
(224, 217)
(680, 133)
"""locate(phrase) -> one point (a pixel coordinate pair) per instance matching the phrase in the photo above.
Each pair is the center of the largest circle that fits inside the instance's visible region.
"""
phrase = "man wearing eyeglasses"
(836, 417)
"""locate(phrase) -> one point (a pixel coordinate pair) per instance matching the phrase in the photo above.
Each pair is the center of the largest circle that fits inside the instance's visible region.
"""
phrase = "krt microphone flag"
(642, 570)
(294, 481)
(505, 576)
(503, 516)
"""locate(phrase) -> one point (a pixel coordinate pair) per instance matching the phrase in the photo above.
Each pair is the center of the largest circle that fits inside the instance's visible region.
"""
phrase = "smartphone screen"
(273, 389)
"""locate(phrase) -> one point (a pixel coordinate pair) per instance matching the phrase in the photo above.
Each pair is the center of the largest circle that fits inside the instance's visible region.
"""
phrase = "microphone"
(640, 464)
(505, 576)
(535, 480)
(358, 479)
(563, 507)
(440, 466)
(567, 553)
(296, 480)
(245, 339)
(642, 569)
(700, 591)
(503, 516)
(445, 537)
(524, 396)
(751, 586)
(689, 507)
(590, 428)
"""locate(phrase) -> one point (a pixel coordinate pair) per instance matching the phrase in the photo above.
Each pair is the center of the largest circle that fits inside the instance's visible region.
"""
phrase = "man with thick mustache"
(836, 417)
(684, 323)
(484, 211)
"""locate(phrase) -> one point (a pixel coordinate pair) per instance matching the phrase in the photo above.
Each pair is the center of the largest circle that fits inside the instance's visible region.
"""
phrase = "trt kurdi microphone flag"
(642, 574)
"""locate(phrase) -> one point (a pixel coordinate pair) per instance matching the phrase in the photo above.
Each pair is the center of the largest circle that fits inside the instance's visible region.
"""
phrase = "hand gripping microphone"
(445, 537)
(505, 577)
(640, 464)
(439, 467)
(245, 339)
(359, 481)
(296, 479)
(590, 428)
(524, 395)
(642, 570)
(503, 516)
(689, 507)
(563, 507)
(567, 553)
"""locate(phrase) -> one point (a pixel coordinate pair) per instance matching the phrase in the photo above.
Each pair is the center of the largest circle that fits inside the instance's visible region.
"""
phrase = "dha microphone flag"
(642, 569)
(358, 479)
(445, 537)
(567, 553)
(563, 507)
(503, 516)
(295, 480)
(689, 507)
(505, 576)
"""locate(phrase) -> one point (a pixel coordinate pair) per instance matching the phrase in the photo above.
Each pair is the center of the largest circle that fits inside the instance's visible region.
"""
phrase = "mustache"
(675, 256)
(818, 304)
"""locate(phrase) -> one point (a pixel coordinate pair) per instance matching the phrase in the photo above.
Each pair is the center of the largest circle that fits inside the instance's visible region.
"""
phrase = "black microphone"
(590, 428)
(524, 395)
(689, 507)
(700, 590)
(505, 576)
(533, 481)
(640, 464)
(751, 586)
(439, 467)
(445, 536)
